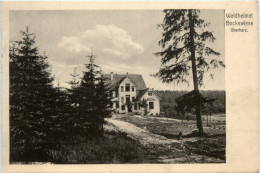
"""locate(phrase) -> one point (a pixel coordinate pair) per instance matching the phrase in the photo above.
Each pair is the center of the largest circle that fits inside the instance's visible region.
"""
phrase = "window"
(122, 89)
(117, 105)
(123, 107)
(133, 89)
(127, 98)
(127, 87)
(122, 100)
(133, 99)
(150, 93)
(151, 106)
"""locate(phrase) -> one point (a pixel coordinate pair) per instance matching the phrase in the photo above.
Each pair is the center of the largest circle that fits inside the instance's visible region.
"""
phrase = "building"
(128, 91)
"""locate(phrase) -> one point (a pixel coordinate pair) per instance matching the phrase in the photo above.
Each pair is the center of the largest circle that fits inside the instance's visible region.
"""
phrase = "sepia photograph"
(117, 86)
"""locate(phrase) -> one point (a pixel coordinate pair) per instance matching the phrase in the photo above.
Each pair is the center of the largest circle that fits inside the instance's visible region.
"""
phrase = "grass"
(117, 148)
(157, 127)
(112, 148)
(212, 146)
(170, 128)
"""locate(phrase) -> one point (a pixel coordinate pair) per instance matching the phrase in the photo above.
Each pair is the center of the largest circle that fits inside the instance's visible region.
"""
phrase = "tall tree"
(60, 120)
(73, 90)
(30, 100)
(87, 101)
(103, 101)
(184, 48)
(74, 97)
(94, 99)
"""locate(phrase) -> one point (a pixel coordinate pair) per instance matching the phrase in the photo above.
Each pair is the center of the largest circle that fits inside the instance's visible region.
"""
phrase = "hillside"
(168, 99)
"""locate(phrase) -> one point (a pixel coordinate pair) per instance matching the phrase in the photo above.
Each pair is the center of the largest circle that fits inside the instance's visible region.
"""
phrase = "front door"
(129, 108)
(128, 103)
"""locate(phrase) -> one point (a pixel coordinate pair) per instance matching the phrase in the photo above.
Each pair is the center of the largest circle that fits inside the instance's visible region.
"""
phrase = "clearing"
(159, 136)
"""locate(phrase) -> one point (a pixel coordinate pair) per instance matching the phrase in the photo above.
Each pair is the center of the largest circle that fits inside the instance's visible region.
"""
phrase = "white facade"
(124, 94)
(124, 97)
(153, 102)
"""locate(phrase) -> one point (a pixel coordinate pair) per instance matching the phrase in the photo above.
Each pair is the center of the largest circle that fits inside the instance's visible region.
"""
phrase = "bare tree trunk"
(195, 78)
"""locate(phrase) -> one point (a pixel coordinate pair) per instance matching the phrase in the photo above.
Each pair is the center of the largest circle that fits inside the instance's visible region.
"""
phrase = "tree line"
(168, 100)
(41, 115)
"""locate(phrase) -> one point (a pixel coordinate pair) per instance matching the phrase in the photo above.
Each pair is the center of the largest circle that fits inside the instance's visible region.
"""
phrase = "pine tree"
(30, 100)
(73, 90)
(102, 101)
(73, 101)
(16, 134)
(184, 43)
(94, 100)
(87, 109)
(61, 123)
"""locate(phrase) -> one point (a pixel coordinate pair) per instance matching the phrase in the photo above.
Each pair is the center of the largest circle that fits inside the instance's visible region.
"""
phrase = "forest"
(43, 116)
(168, 102)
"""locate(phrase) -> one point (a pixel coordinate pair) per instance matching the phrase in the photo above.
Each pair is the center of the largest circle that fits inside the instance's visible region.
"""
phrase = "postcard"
(130, 86)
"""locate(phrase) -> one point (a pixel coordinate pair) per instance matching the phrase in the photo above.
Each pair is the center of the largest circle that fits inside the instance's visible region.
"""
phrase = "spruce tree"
(16, 134)
(103, 101)
(184, 49)
(61, 123)
(73, 90)
(87, 103)
(94, 100)
(73, 101)
(31, 100)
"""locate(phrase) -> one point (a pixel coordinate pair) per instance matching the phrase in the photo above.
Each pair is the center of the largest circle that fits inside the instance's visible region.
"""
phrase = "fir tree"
(94, 100)
(30, 100)
(61, 123)
(87, 103)
(184, 43)
(103, 101)
(73, 100)
(73, 90)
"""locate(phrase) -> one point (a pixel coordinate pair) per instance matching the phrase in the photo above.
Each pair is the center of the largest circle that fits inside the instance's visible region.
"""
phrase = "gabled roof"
(141, 94)
(118, 78)
(120, 81)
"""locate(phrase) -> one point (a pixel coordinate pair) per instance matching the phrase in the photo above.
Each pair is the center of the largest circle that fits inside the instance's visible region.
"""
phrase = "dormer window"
(133, 89)
(127, 87)
(150, 93)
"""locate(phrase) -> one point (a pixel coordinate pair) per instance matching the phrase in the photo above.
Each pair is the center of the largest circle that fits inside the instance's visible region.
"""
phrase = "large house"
(128, 92)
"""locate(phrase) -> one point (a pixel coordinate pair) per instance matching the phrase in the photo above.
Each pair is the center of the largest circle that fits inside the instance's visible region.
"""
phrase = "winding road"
(143, 136)
(167, 150)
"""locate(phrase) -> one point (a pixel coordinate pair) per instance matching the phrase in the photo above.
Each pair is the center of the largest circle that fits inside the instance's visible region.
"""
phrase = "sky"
(122, 40)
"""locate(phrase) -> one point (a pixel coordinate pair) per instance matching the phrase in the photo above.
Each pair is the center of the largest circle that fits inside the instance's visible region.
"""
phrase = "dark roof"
(137, 79)
(141, 94)
(156, 93)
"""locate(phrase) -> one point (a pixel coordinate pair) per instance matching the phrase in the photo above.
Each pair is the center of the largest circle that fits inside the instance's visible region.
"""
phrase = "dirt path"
(143, 136)
(166, 150)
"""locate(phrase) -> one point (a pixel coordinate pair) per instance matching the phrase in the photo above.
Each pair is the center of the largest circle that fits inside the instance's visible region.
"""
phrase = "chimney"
(111, 76)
